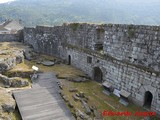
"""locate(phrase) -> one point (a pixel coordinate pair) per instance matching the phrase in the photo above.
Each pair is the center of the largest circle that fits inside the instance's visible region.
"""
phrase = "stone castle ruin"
(11, 31)
(126, 56)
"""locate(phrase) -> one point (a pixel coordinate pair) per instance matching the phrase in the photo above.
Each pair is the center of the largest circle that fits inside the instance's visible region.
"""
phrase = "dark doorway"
(98, 47)
(69, 60)
(97, 74)
(148, 99)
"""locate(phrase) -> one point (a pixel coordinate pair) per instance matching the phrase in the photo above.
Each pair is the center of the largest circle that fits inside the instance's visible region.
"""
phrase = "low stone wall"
(10, 55)
(9, 38)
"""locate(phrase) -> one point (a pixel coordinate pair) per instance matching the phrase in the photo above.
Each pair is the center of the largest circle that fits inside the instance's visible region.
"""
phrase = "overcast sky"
(4, 1)
(145, 1)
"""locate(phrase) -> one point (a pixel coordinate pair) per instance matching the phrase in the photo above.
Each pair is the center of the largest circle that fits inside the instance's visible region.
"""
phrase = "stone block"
(139, 97)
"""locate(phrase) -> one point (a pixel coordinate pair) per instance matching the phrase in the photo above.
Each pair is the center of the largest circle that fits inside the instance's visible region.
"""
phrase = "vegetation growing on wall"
(100, 30)
(74, 26)
(110, 25)
(131, 31)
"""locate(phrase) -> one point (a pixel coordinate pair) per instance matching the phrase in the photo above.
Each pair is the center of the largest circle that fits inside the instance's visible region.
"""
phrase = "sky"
(5, 1)
(146, 1)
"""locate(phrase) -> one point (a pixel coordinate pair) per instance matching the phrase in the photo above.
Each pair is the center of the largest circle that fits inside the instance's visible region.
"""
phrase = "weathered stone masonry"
(10, 37)
(127, 55)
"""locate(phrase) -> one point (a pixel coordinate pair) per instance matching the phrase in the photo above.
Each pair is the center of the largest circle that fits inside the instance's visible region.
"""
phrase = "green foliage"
(130, 27)
(131, 31)
(74, 26)
(56, 12)
(110, 25)
(100, 30)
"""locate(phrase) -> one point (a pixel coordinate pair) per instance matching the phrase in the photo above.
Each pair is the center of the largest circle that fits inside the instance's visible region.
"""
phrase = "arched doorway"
(97, 75)
(148, 99)
(69, 60)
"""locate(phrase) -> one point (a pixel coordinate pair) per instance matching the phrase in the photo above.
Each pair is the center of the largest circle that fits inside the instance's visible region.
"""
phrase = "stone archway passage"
(97, 74)
(69, 60)
(148, 99)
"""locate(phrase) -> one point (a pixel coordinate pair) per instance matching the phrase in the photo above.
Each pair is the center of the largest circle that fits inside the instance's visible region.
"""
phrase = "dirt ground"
(91, 89)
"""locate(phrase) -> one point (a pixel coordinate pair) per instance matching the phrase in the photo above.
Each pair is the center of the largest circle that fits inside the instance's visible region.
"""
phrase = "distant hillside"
(56, 12)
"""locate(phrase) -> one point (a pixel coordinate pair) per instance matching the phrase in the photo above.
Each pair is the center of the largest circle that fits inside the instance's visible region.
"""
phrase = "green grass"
(92, 90)
(16, 115)
(96, 98)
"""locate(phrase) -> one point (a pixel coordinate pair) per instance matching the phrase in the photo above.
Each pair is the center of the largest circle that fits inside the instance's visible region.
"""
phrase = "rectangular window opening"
(89, 59)
(99, 47)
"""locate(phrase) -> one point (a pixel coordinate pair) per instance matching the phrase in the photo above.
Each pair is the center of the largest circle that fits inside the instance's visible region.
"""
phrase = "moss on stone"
(20, 70)
(130, 27)
(100, 30)
(110, 25)
(131, 33)
(74, 26)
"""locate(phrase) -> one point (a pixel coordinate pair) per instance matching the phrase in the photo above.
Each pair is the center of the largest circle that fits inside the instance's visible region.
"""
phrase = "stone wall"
(121, 76)
(8, 37)
(139, 45)
(30, 37)
(44, 39)
(136, 44)
(83, 35)
(127, 55)
(18, 37)
(9, 57)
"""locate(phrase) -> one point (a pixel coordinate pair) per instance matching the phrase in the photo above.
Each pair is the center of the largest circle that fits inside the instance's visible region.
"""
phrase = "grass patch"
(16, 115)
(62, 70)
(96, 98)
(91, 89)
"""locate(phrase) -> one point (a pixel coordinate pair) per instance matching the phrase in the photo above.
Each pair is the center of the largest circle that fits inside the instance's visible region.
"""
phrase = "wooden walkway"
(43, 101)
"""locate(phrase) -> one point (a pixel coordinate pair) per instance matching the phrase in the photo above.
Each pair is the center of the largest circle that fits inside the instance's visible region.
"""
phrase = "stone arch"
(97, 74)
(69, 60)
(148, 97)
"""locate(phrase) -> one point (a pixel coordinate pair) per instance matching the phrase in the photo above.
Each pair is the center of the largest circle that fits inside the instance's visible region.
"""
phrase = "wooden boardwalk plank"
(43, 101)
